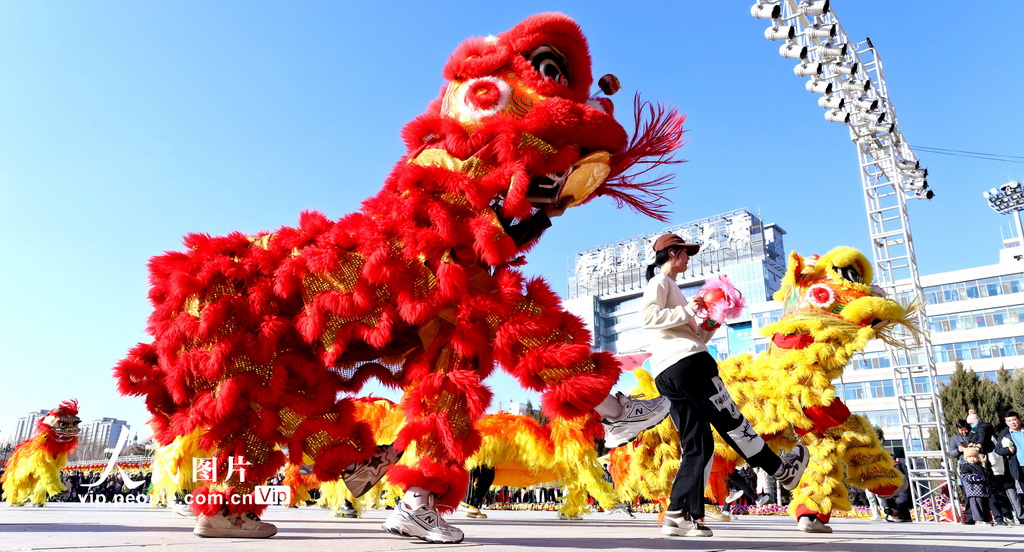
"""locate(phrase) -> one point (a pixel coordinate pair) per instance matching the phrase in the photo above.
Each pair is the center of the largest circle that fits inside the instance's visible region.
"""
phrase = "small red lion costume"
(262, 340)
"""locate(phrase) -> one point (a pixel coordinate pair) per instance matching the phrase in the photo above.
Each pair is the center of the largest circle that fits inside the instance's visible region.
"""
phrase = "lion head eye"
(550, 64)
(850, 273)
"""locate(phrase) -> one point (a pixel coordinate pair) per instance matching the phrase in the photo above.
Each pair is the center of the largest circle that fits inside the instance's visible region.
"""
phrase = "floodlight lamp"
(837, 116)
(818, 86)
(821, 30)
(924, 194)
(780, 32)
(913, 165)
(985, 194)
(1010, 186)
(918, 173)
(846, 68)
(871, 116)
(993, 191)
(808, 69)
(855, 86)
(918, 184)
(865, 103)
(881, 128)
(831, 102)
(765, 10)
(832, 49)
(793, 50)
(814, 7)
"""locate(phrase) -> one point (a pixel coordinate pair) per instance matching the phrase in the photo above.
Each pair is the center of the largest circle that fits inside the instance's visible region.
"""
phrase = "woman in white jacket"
(687, 375)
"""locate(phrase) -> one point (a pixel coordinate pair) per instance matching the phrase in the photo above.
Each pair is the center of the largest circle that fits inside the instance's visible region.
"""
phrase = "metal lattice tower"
(849, 78)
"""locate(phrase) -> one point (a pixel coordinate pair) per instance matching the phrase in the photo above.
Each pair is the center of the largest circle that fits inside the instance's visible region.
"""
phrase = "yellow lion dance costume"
(33, 471)
(831, 311)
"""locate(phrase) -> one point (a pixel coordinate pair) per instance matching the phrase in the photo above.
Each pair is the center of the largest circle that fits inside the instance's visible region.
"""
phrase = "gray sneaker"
(637, 415)
(793, 465)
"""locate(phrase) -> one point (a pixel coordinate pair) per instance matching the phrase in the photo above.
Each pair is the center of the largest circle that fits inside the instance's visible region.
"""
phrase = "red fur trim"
(447, 482)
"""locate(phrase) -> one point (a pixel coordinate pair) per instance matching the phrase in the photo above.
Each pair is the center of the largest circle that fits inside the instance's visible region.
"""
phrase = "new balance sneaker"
(637, 415)
(246, 526)
(793, 465)
(471, 511)
(811, 524)
(734, 496)
(360, 478)
(714, 512)
(423, 523)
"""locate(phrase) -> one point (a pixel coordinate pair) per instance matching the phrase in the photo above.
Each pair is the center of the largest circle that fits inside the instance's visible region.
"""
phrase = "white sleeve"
(655, 315)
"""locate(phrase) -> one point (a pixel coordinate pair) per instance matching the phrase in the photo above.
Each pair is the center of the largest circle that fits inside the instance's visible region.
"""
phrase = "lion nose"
(483, 95)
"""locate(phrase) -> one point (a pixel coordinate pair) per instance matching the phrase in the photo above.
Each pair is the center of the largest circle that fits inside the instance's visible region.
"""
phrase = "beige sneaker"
(246, 526)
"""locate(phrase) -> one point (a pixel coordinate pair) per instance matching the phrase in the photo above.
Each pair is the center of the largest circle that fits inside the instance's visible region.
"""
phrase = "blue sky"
(125, 125)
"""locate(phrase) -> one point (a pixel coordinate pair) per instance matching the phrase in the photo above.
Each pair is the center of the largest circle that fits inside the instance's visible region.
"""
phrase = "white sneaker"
(566, 517)
(875, 517)
(811, 524)
(675, 524)
(733, 496)
(763, 499)
(794, 463)
(678, 524)
(360, 478)
(623, 508)
(637, 415)
(423, 522)
(246, 526)
(183, 509)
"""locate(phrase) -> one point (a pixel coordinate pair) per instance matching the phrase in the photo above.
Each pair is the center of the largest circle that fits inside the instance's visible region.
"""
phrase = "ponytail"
(660, 258)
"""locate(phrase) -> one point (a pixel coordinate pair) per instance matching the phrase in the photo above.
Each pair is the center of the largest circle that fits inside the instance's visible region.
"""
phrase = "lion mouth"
(573, 186)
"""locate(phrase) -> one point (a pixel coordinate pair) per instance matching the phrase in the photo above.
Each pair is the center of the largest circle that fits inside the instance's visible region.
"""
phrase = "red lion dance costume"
(260, 341)
(33, 472)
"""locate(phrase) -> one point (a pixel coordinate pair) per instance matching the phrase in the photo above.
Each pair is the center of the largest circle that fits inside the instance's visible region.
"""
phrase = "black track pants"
(699, 400)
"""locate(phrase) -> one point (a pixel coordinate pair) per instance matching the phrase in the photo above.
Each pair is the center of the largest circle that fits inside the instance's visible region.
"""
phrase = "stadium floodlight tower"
(848, 76)
(1008, 198)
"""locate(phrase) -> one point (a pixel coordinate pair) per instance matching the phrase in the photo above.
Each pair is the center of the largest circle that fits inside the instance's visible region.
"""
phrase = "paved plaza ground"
(68, 526)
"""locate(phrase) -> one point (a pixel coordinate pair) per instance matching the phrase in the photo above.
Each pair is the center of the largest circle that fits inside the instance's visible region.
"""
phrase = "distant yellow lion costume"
(831, 311)
(33, 472)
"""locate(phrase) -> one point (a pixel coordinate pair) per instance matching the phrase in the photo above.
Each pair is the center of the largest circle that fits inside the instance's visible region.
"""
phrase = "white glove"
(1007, 442)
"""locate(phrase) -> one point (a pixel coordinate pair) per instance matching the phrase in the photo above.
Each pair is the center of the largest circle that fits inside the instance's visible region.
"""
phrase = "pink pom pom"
(722, 299)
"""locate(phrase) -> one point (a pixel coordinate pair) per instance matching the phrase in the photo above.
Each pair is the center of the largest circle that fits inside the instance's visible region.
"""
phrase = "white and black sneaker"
(698, 529)
(360, 478)
(676, 523)
(793, 465)
(423, 522)
(637, 415)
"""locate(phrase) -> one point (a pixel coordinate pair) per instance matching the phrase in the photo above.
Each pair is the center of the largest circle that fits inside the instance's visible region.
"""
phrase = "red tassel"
(655, 138)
